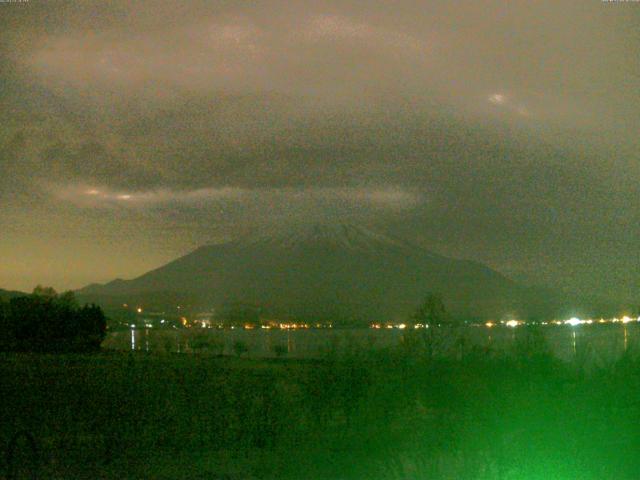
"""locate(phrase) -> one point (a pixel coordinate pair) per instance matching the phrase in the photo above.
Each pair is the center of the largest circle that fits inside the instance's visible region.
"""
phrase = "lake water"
(589, 343)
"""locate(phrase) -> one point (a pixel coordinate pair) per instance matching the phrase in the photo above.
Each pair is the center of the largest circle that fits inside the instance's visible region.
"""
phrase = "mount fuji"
(335, 272)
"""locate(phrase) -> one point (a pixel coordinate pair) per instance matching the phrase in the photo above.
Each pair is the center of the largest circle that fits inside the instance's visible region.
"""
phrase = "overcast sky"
(505, 132)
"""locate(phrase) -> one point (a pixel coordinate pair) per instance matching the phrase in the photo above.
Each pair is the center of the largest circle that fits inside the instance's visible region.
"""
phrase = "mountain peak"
(343, 236)
(330, 270)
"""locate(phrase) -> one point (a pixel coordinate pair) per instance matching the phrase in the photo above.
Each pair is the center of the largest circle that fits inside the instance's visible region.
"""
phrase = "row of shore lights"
(574, 322)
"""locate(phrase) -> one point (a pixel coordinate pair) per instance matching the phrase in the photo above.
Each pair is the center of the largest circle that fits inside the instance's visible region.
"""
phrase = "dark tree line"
(47, 322)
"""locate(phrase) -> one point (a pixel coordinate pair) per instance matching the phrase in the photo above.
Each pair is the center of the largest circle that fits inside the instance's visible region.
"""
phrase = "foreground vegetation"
(399, 413)
(48, 322)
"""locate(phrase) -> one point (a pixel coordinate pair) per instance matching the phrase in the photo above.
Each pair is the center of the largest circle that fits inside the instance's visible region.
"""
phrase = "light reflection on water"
(591, 342)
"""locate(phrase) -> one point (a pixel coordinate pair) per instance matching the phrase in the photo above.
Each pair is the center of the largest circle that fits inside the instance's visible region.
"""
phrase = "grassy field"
(385, 414)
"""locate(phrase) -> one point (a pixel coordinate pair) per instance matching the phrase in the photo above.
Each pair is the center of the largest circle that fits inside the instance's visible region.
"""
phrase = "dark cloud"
(503, 132)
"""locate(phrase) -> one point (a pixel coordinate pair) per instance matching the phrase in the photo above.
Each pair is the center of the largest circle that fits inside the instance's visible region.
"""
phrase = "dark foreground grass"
(385, 414)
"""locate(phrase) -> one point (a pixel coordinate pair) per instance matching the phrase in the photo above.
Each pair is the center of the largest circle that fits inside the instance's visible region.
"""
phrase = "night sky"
(504, 132)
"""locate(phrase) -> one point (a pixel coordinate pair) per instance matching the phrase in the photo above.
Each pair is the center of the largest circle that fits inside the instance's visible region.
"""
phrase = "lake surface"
(588, 343)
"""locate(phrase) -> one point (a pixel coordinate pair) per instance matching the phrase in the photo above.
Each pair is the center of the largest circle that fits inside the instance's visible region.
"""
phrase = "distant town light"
(139, 310)
(625, 319)
(512, 323)
(489, 324)
(573, 321)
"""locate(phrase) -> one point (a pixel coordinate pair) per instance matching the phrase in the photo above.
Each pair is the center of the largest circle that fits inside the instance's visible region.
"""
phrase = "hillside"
(7, 294)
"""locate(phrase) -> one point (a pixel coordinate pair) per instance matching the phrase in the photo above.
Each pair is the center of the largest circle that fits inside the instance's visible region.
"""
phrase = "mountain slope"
(340, 272)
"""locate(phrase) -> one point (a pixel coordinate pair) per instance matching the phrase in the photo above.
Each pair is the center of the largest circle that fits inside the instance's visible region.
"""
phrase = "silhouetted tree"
(431, 312)
(5, 334)
(46, 321)
(45, 292)
(91, 327)
(432, 315)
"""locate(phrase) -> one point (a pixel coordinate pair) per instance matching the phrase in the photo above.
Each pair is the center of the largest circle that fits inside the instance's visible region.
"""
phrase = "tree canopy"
(431, 312)
(46, 321)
